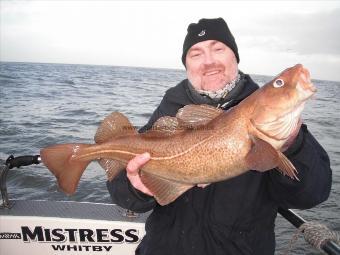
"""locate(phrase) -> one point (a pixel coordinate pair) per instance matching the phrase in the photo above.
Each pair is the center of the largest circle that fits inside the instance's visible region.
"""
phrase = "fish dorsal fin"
(113, 125)
(192, 115)
(111, 167)
(166, 126)
(262, 156)
(164, 191)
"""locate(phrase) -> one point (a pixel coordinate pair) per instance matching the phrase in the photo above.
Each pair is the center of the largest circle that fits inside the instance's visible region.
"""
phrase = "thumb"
(137, 162)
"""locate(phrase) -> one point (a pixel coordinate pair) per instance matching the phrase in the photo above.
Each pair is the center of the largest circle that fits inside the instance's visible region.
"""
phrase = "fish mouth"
(305, 76)
(305, 85)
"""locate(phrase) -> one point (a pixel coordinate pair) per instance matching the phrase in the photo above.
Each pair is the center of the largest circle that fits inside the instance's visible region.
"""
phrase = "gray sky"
(271, 35)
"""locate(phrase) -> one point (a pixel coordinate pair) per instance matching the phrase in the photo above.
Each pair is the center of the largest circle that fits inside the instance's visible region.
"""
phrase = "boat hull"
(49, 227)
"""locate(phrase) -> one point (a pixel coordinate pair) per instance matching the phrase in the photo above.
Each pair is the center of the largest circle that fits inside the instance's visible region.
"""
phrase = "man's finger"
(136, 163)
(132, 172)
(137, 184)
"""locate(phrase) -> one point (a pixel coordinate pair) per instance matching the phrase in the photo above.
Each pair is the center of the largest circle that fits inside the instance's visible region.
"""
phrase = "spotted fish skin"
(201, 144)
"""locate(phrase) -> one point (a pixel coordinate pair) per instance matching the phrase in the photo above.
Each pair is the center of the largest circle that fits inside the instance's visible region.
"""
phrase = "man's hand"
(132, 172)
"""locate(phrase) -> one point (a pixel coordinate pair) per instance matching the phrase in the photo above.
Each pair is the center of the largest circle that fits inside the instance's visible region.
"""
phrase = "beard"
(211, 81)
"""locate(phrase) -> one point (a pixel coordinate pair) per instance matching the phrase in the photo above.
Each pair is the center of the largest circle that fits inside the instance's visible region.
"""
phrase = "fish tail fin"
(61, 160)
(112, 126)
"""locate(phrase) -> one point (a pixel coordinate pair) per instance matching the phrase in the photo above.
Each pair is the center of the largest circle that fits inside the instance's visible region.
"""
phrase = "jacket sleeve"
(121, 191)
(314, 173)
(125, 195)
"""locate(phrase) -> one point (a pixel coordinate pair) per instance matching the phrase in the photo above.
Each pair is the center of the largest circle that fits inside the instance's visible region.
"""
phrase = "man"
(235, 216)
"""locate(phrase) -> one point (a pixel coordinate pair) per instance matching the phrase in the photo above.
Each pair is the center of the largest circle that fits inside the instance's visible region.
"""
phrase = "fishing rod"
(316, 234)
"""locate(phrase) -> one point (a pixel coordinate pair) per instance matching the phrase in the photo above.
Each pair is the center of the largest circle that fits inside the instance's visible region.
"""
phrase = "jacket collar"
(243, 89)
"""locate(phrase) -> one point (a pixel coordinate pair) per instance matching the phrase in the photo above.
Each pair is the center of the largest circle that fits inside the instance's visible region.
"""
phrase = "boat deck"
(71, 209)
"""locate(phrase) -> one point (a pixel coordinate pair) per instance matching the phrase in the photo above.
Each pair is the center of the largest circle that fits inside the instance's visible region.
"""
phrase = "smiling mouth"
(210, 73)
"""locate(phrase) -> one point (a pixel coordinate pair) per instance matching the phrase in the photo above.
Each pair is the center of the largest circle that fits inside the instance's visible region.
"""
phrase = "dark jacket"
(235, 216)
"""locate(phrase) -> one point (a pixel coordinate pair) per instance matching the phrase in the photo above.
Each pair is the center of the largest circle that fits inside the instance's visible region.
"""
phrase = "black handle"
(12, 162)
(330, 247)
(295, 219)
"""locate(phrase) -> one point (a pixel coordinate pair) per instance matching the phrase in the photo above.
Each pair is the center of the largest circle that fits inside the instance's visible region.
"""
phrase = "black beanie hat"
(209, 29)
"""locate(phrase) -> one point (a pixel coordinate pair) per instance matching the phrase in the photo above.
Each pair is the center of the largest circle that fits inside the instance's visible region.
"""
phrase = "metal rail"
(10, 163)
(328, 246)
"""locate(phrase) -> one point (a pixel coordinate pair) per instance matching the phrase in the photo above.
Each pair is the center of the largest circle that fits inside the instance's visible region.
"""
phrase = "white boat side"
(64, 227)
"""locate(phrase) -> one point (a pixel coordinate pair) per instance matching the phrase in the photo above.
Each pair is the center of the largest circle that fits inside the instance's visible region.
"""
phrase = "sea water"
(45, 104)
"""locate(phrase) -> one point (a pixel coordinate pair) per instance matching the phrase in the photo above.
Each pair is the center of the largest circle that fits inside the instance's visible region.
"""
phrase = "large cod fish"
(202, 144)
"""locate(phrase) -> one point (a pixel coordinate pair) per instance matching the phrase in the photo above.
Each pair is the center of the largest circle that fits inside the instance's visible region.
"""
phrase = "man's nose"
(208, 58)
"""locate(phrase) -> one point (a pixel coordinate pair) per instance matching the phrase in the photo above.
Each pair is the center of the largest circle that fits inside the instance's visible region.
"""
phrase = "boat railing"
(316, 234)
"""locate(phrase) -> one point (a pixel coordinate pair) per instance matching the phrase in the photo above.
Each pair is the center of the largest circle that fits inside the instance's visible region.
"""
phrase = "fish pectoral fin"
(192, 115)
(165, 191)
(286, 167)
(262, 157)
(113, 125)
(112, 167)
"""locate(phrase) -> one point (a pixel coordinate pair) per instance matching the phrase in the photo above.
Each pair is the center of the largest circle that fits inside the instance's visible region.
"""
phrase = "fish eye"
(278, 83)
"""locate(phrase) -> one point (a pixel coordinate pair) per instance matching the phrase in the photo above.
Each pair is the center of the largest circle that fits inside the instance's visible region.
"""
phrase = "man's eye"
(218, 49)
(195, 55)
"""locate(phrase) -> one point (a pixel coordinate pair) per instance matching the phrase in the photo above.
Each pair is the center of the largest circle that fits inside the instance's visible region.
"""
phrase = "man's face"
(211, 65)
